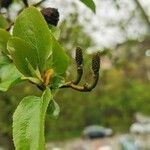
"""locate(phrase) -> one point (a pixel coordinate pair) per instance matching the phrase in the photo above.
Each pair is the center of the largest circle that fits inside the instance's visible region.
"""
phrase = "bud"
(48, 76)
(51, 15)
(79, 56)
(5, 3)
(96, 63)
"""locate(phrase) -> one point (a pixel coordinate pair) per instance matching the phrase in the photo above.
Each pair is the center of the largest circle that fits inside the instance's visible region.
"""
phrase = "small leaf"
(34, 73)
(90, 4)
(20, 51)
(55, 31)
(53, 109)
(3, 22)
(31, 26)
(4, 37)
(28, 122)
(56, 82)
(9, 76)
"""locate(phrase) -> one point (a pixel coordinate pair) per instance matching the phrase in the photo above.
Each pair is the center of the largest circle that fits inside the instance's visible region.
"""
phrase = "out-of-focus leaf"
(3, 22)
(9, 76)
(53, 109)
(28, 122)
(4, 37)
(90, 4)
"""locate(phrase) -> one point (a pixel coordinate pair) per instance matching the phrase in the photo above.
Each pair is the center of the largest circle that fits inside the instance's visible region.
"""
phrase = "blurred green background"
(124, 85)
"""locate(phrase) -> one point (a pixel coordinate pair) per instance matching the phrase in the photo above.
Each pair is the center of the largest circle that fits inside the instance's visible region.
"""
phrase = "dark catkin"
(51, 15)
(5, 3)
(96, 63)
(79, 56)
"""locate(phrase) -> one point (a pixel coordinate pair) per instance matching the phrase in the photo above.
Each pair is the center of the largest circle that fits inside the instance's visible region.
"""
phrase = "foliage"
(28, 122)
(10, 99)
(31, 52)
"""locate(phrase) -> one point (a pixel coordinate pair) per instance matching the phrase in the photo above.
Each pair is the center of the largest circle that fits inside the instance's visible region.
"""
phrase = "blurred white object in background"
(56, 148)
(140, 128)
(142, 118)
(142, 124)
(105, 148)
(128, 142)
(140, 131)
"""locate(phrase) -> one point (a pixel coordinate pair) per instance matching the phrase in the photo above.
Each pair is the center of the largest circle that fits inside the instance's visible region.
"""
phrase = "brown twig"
(85, 87)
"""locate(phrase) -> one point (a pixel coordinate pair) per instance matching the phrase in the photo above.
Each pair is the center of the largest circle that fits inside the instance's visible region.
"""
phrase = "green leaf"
(32, 79)
(55, 31)
(9, 75)
(28, 122)
(34, 73)
(4, 59)
(31, 26)
(3, 22)
(4, 37)
(60, 60)
(20, 51)
(53, 109)
(56, 82)
(90, 4)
